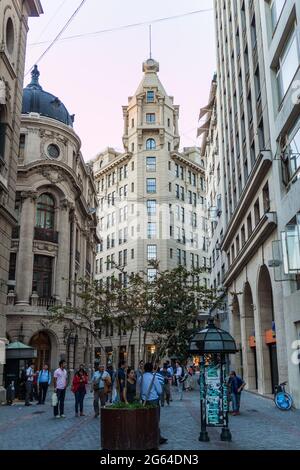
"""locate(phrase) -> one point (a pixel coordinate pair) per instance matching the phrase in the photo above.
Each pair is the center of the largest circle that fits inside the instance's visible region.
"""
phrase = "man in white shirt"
(98, 382)
(29, 383)
(60, 385)
(179, 381)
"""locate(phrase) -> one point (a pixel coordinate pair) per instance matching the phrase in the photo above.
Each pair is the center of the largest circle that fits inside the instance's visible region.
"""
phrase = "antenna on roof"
(150, 40)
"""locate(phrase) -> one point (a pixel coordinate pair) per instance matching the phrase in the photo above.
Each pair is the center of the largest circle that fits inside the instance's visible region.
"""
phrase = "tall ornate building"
(258, 56)
(55, 240)
(151, 198)
(13, 34)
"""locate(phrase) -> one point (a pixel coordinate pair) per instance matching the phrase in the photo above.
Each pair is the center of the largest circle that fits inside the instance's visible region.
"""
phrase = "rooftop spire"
(35, 78)
(150, 41)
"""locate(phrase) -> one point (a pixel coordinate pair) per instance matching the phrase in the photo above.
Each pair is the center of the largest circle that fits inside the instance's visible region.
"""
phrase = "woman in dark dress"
(129, 391)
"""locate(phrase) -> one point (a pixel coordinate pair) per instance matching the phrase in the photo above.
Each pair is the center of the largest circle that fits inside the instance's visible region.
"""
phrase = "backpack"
(23, 377)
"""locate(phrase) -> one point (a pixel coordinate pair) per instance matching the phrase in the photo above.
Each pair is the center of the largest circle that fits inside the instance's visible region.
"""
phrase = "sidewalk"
(260, 426)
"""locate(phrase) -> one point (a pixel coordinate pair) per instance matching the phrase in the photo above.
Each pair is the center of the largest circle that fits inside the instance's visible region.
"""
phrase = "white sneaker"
(62, 416)
(57, 416)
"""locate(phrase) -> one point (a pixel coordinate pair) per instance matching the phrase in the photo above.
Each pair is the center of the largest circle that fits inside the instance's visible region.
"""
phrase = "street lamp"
(213, 345)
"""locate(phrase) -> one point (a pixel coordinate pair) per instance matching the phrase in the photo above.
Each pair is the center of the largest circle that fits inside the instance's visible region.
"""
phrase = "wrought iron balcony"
(45, 234)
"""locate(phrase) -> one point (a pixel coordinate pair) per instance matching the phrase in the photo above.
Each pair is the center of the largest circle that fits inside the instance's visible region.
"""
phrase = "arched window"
(45, 212)
(150, 144)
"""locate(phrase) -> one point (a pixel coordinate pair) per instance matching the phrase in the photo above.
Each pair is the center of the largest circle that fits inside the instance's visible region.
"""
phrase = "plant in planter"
(129, 427)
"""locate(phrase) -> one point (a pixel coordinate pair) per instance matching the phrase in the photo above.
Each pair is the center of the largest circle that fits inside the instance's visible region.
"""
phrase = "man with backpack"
(100, 380)
(44, 380)
(236, 385)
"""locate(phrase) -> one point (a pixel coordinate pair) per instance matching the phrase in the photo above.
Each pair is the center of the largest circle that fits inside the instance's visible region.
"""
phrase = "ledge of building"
(259, 171)
(262, 231)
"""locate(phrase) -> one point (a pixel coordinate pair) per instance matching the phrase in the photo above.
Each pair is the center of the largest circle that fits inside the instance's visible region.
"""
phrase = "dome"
(36, 100)
(212, 340)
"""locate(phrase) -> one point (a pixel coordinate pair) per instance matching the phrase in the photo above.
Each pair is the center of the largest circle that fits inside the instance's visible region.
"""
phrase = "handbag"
(107, 385)
(54, 399)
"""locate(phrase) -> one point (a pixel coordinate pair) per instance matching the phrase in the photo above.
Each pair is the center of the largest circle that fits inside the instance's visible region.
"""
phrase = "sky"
(94, 75)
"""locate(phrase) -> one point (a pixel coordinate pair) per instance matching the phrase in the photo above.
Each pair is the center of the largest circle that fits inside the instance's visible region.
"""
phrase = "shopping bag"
(54, 399)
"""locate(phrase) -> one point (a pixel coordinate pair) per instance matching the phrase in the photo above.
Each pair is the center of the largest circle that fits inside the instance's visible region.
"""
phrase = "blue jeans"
(79, 397)
(236, 400)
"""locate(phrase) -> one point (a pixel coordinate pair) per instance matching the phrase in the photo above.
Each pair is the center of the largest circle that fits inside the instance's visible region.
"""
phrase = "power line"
(132, 25)
(59, 34)
(51, 19)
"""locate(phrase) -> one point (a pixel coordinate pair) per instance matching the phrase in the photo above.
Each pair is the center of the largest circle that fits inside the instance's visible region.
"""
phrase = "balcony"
(45, 234)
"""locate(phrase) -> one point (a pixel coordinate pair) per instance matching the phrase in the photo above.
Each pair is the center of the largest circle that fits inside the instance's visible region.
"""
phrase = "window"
(288, 64)
(194, 180)
(150, 144)
(293, 150)
(177, 191)
(132, 253)
(182, 214)
(125, 171)
(132, 187)
(276, 9)
(42, 275)
(184, 258)
(151, 207)
(178, 252)
(150, 96)
(171, 253)
(151, 163)
(243, 235)
(169, 146)
(132, 122)
(45, 212)
(151, 232)
(256, 212)
(132, 146)
(125, 190)
(182, 192)
(266, 198)
(21, 145)
(152, 273)
(151, 252)
(125, 258)
(169, 122)
(151, 185)
(150, 118)
(132, 166)
(10, 36)
(190, 199)
(120, 258)
(249, 225)
(182, 172)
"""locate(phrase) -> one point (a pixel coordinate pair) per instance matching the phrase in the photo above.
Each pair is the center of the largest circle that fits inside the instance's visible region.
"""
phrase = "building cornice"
(258, 173)
(182, 159)
(119, 159)
(263, 230)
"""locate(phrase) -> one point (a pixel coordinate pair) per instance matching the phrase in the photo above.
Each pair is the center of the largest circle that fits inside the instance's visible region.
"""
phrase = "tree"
(166, 307)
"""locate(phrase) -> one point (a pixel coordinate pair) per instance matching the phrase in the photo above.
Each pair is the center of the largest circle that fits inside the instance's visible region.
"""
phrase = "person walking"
(151, 391)
(112, 374)
(44, 380)
(29, 384)
(139, 373)
(179, 374)
(129, 391)
(60, 386)
(166, 385)
(79, 383)
(236, 385)
(98, 383)
(121, 377)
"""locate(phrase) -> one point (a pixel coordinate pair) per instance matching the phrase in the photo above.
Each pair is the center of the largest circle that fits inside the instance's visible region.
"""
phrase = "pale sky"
(93, 76)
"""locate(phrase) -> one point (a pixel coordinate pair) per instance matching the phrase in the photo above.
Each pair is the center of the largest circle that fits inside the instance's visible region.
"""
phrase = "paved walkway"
(260, 426)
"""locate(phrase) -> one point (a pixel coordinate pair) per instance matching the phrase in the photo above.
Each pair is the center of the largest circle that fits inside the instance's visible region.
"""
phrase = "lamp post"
(213, 345)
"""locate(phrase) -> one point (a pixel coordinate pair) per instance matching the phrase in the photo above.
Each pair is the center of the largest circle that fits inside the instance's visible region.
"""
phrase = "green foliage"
(136, 405)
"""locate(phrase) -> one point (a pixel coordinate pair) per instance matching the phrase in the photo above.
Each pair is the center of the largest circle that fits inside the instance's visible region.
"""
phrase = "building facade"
(13, 34)
(209, 132)
(54, 242)
(258, 63)
(151, 198)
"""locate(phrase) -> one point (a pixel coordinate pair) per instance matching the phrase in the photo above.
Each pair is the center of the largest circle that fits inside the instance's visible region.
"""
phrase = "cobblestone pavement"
(260, 426)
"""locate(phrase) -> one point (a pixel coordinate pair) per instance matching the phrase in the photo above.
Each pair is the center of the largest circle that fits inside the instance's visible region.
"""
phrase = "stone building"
(209, 132)
(258, 122)
(151, 198)
(13, 34)
(55, 240)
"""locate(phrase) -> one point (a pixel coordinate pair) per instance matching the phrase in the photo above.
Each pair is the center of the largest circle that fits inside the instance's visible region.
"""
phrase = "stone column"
(24, 269)
(161, 112)
(63, 255)
(139, 112)
(125, 117)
